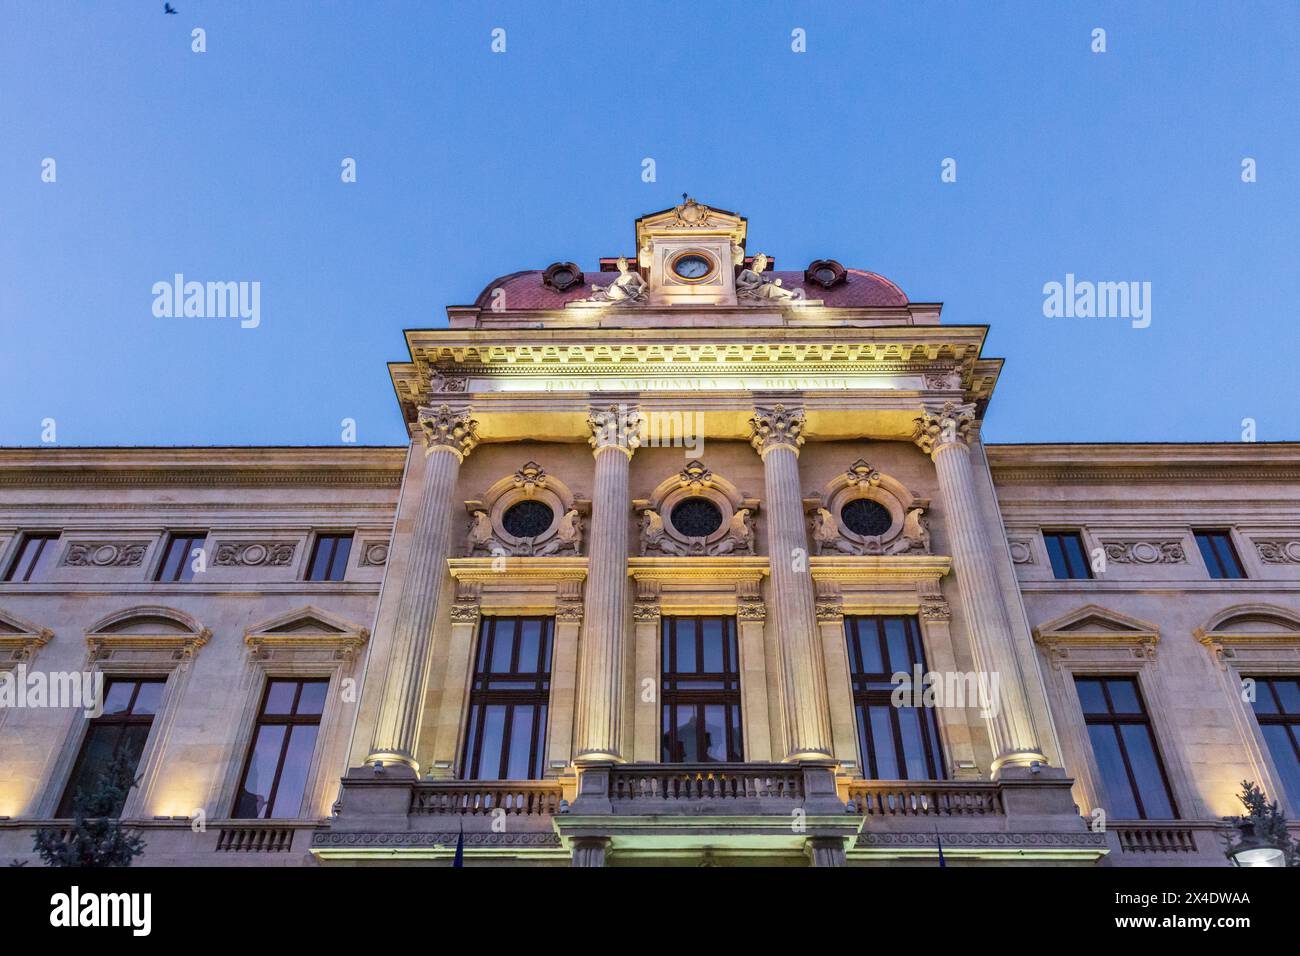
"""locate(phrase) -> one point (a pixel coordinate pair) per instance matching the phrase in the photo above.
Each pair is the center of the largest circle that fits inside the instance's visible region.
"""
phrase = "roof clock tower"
(689, 252)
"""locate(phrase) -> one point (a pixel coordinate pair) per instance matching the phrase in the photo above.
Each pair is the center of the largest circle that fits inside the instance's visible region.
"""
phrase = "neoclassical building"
(689, 561)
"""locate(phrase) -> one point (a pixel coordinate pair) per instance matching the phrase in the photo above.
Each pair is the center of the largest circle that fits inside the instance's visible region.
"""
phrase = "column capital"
(447, 427)
(776, 426)
(954, 424)
(615, 426)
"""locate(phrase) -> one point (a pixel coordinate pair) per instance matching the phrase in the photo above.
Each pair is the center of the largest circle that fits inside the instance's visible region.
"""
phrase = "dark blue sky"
(1122, 166)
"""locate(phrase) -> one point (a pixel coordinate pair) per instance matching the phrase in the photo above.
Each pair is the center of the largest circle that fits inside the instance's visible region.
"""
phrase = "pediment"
(1094, 624)
(147, 628)
(306, 628)
(691, 217)
(1251, 624)
(19, 636)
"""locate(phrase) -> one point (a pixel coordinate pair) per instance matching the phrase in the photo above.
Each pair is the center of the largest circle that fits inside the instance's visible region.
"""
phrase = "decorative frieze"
(936, 611)
(645, 611)
(1022, 551)
(374, 554)
(1278, 550)
(464, 613)
(568, 611)
(104, 554)
(830, 611)
(252, 554)
(1145, 552)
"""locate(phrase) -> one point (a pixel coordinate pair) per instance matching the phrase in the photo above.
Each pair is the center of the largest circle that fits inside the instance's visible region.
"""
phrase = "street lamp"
(1251, 849)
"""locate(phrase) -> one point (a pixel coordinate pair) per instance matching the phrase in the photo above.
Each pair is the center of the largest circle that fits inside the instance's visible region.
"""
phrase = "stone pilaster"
(777, 433)
(647, 622)
(751, 618)
(590, 850)
(614, 437)
(449, 435)
(455, 663)
(945, 435)
(564, 676)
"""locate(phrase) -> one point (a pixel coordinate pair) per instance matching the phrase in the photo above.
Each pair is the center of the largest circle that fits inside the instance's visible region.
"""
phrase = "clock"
(692, 266)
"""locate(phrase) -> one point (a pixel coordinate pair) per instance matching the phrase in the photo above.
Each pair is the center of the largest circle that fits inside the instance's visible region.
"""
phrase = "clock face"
(692, 266)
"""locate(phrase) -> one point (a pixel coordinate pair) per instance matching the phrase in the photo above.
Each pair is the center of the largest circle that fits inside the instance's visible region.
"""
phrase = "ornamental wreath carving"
(864, 512)
(1281, 551)
(104, 554)
(252, 554)
(527, 514)
(1145, 552)
(696, 513)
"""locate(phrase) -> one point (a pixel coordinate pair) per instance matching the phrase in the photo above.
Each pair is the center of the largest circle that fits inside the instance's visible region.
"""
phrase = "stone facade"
(697, 437)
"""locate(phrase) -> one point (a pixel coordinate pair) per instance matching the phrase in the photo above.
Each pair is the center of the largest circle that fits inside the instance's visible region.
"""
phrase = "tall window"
(894, 743)
(1065, 549)
(279, 761)
(34, 557)
(123, 728)
(329, 557)
(508, 699)
(177, 563)
(1277, 708)
(701, 691)
(1219, 554)
(1125, 749)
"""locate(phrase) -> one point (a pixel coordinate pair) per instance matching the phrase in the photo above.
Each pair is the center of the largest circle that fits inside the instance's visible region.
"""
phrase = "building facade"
(688, 562)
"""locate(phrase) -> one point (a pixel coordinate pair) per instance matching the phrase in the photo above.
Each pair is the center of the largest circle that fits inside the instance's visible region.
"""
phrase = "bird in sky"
(168, 8)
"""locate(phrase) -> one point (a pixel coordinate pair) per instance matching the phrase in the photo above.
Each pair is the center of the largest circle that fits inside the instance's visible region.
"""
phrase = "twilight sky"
(225, 166)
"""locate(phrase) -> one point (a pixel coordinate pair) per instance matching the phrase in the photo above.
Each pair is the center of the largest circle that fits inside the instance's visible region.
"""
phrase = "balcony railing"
(536, 798)
(926, 798)
(1144, 837)
(701, 783)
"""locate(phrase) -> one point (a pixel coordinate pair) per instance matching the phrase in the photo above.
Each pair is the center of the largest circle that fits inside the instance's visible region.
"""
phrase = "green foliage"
(96, 837)
(1269, 822)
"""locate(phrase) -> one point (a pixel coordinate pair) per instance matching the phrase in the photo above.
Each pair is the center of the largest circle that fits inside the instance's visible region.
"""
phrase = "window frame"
(1289, 720)
(24, 538)
(335, 537)
(1114, 719)
(293, 719)
(1077, 535)
(864, 695)
(672, 696)
(482, 695)
(1212, 538)
(68, 793)
(169, 541)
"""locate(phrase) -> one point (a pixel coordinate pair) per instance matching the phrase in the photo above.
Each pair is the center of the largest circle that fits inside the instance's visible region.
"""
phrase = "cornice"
(723, 570)
(491, 570)
(879, 569)
(1138, 462)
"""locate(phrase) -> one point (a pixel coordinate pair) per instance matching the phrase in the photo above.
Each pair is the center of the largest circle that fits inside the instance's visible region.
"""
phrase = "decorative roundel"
(866, 517)
(696, 517)
(692, 266)
(562, 276)
(825, 273)
(527, 518)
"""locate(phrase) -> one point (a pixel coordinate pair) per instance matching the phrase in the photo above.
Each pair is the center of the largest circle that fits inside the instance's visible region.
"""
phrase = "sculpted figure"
(480, 533)
(655, 538)
(569, 533)
(915, 537)
(740, 534)
(628, 287)
(751, 285)
(825, 530)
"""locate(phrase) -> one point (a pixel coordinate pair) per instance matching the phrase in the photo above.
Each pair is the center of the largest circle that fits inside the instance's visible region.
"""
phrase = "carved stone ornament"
(374, 554)
(628, 289)
(953, 424)
(615, 427)
(935, 611)
(1278, 551)
(528, 514)
(568, 611)
(441, 380)
(1145, 552)
(690, 215)
(1022, 552)
(253, 554)
(104, 554)
(864, 512)
(645, 611)
(830, 610)
(776, 427)
(943, 380)
(751, 609)
(753, 288)
(447, 427)
(696, 513)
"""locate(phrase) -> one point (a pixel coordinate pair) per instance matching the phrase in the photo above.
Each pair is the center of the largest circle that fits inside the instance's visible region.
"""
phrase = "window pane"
(312, 699)
(688, 731)
(293, 776)
(96, 752)
(685, 645)
(869, 647)
(1123, 697)
(715, 733)
(1110, 762)
(900, 655)
(521, 744)
(711, 637)
(913, 744)
(149, 697)
(1091, 697)
(1282, 745)
(503, 646)
(339, 566)
(320, 558)
(530, 639)
(1146, 770)
(279, 697)
(1265, 702)
(255, 795)
(882, 741)
(494, 725)
(1288, 691)
(117, 698)
(1060, 569)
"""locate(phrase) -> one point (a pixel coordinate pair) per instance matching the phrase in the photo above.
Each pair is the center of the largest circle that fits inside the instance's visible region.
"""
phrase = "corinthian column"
(777, 435)
(614, 436)
(449, 435)
(945, 436)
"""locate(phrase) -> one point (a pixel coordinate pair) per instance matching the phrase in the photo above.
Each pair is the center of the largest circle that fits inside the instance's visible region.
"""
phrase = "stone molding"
(104, 554)
(1278, 550)
(1096, 628)
(307, 628)
(252, 554)
(1145, 551)
(20, 638)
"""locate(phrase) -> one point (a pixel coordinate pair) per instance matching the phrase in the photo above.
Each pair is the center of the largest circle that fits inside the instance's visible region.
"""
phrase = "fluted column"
(777, 435)
(614, 437)
(449, 435)
(945, 435)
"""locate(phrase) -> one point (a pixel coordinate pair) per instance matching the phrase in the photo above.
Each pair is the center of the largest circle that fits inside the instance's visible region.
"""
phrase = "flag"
(938, 842)
(459, 858)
